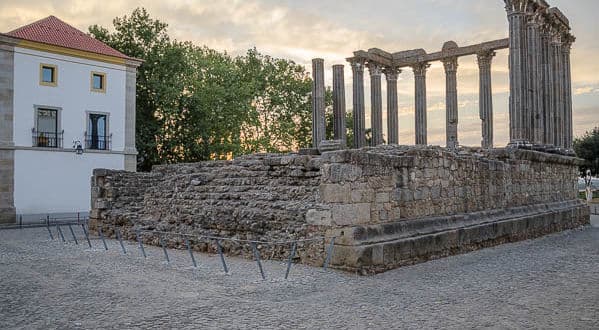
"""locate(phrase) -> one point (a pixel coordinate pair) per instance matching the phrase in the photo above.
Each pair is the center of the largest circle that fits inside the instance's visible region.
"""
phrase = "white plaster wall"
(52, 182)
(73, 94)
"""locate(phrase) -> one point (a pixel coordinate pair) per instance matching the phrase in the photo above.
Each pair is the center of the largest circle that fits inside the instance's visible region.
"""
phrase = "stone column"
(556, 68)
(339, 104)
(519, 118)
(485, 97)
(392, 115)
(376, 104)
(130, 109)
(451, 102)
(318, 120)
(535, 90)
(420, 101)
(358, 103)
(7, 152)
(568, 90)
(547, 81)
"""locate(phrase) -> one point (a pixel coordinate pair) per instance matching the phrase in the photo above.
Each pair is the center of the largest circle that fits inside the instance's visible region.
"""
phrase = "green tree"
(142, 37)
(587, 147)
(195, 103)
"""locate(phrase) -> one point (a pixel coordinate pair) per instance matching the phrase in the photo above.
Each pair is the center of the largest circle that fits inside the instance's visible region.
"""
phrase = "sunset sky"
(302, 30)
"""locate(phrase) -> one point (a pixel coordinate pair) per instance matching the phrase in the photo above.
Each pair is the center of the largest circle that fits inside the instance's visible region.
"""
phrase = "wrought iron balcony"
(47, 139)
(98, 142)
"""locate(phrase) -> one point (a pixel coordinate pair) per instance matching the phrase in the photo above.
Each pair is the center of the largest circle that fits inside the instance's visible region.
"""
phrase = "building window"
(97, 137)
(48, 75)
(98, 82)
(46, 131)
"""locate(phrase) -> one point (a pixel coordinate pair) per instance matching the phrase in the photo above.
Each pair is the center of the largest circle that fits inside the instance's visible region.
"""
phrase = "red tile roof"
(53, 31)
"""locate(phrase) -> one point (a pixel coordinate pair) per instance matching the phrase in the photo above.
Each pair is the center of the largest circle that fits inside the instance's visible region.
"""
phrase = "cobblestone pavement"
(551, 282)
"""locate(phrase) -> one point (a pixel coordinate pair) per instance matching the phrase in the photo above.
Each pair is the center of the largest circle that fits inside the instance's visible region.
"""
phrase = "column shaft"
(451, 102)
(420, 101)
(318, 120)
(518, 112)
(534, 81)
(339, 103)
(557, 108)
(392, 115)
(568, 92)
(358, 104)
(485, 97)
(376, 104)
(547, 86)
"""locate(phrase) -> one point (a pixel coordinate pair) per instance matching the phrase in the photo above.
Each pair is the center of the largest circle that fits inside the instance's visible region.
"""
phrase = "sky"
(306, 29)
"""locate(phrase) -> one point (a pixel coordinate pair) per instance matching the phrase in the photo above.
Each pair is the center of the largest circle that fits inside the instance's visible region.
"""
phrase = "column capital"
(357, 64)
(374, 68)
(420, 68)
(391, 73)
(450, 64)
(515, 7)
(485, 58)
(567, 41)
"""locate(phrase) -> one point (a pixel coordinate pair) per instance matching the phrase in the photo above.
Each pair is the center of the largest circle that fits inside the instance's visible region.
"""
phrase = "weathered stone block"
(335, 193)
(318, 217)
(350, 214)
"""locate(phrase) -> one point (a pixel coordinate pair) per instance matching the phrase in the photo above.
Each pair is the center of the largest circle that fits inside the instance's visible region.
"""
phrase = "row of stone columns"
(359, 114)
(540, 80)
(391, 75)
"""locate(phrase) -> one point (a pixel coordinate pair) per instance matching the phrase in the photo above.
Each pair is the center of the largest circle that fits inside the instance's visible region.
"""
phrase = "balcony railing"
(47, 139)
(97, 142)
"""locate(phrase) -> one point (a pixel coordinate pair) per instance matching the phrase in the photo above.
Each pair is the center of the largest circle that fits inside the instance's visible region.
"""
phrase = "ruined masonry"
(387, 205)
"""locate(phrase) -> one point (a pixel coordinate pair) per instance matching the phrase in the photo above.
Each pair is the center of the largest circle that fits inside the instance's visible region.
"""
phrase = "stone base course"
(372, 249)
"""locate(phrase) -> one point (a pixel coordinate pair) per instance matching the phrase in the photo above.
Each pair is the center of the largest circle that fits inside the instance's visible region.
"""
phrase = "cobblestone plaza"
(550, 282)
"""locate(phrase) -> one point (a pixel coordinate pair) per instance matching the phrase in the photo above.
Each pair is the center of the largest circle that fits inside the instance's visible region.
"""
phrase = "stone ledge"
(370, 256)
(373, 234)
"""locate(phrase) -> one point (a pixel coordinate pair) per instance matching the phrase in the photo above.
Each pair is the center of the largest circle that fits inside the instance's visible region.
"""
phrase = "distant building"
(67, 106)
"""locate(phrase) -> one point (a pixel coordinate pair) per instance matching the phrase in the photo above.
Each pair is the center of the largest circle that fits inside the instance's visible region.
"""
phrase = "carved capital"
(375, 69)
(357, 65)
(485, 58)
(515, 7)
(450, 64)
(567, 41)
(420, 68)
(391, 73)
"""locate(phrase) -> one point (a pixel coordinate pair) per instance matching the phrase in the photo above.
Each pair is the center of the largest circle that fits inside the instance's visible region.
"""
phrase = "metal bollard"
(60, 233)
(86, 236)
(222, 257)
(49, 231)
(193, 260)
(293, 247)
(118, 236)
(102, 237)
(141, 246)
(329, 253)
(168, 261)
(73, 234)
(257, 256)
(21, 221)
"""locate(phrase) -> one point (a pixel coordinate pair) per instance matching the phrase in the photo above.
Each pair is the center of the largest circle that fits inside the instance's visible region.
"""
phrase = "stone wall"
(387, 206)
(259, 197)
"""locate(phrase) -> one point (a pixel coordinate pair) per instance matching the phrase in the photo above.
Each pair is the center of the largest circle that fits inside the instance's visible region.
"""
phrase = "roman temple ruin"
(384, 205)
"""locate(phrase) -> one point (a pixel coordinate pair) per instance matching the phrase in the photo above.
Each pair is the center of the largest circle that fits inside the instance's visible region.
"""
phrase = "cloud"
(302, 30)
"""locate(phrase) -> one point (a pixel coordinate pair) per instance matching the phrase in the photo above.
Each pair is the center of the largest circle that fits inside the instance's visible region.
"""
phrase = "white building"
(60, 89)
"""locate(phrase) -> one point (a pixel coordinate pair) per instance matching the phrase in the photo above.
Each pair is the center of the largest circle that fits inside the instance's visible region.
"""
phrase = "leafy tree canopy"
(195, 103)
(587, 147)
